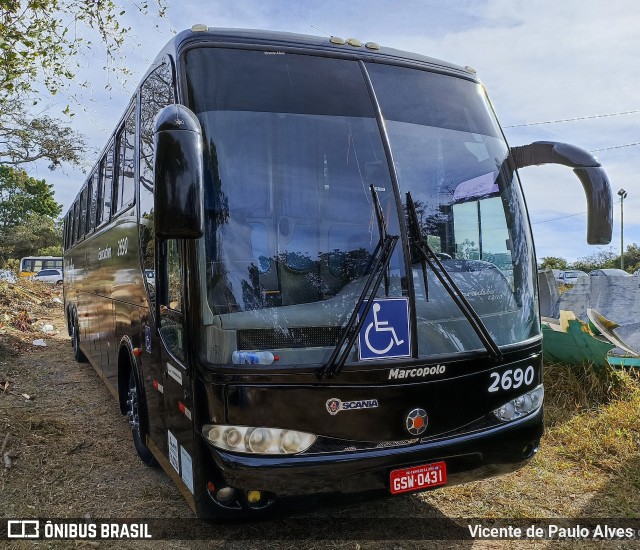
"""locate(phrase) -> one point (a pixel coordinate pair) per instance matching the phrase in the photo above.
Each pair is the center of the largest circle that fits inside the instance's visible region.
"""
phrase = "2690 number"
(511, 379)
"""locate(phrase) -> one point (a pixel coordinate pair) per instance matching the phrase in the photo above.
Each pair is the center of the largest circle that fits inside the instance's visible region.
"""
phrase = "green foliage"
(40, 40)
(468, 250)
(53, 250)
(12, 264)
(35, 233)
(631, 258)
(552, 262)
(605, 259)
(28, 213)
(22, 196)
(602, 259)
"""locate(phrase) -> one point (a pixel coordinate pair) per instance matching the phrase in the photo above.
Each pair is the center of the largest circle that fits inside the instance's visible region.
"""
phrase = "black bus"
(304, 265)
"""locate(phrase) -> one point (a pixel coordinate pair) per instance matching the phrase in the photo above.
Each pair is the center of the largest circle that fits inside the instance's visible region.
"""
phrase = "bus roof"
(317, 44)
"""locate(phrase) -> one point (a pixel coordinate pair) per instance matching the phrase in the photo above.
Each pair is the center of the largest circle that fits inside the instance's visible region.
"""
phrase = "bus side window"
(93, 201)
(68, 228)
(82, 225)
(126, 162)
(89, 195)
(119, 170)
(171, 320)
(65, 234)
(106, 167)
(74, 224)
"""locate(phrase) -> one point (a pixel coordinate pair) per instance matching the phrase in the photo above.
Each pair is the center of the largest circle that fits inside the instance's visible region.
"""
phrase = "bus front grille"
(330, 445)
(301, 337)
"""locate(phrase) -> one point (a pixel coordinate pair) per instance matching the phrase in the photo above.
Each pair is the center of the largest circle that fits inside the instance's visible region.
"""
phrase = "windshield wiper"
(379, 270)
(382, 233)
(426, 254)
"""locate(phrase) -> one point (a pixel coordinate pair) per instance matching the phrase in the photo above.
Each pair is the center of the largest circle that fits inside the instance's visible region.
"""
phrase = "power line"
(564, 217)
(573, 119)
(560, 218)
(615, 147)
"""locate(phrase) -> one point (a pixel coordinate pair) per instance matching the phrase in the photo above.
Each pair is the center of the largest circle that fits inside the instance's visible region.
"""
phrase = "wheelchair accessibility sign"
(385, 332)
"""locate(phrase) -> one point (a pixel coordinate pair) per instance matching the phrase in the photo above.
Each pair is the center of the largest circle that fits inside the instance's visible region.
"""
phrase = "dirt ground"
(71, 455)
(72, 450)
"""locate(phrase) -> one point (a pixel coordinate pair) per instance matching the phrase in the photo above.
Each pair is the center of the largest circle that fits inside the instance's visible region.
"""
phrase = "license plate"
(406, 480)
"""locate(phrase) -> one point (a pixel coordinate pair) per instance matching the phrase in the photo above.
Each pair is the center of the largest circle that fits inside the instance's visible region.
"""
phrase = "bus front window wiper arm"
(382, 232)
(427, 255)
(379, 269)
(339, 356)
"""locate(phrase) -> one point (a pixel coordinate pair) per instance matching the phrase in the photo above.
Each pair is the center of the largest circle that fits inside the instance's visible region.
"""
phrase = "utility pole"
(623, 195)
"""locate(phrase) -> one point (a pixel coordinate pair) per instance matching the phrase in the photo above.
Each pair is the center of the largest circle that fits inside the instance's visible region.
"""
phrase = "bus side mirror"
(593, 178)
(178, 174)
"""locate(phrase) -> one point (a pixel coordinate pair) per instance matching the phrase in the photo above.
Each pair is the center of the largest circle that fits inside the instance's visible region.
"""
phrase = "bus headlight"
(268, 441)
(521, 406)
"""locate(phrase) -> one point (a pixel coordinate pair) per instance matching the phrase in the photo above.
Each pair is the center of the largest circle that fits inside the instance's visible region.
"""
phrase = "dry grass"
(573, 389)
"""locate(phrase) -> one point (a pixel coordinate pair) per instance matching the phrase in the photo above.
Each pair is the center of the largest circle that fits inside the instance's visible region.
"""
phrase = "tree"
(25, 139)
(598, 260)
(41, 39)
(28, 213)
(52, 250)
(35, 233)
(632, 258)
(22, 196)
(552, 262)
(40, 43)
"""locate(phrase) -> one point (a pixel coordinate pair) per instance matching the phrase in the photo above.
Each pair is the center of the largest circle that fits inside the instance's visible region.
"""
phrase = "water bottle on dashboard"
(252, 358)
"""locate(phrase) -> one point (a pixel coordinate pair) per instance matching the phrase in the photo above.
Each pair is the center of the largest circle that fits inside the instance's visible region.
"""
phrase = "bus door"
(178, 399)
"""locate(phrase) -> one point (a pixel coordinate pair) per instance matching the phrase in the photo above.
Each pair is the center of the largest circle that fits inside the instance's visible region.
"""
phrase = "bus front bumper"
(468, 457)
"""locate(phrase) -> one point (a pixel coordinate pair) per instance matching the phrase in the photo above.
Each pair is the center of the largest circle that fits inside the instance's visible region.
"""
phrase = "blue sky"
(541, 60)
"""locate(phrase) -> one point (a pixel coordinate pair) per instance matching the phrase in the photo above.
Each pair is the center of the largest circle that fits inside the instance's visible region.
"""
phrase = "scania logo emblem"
(333, 406)
(417, 421)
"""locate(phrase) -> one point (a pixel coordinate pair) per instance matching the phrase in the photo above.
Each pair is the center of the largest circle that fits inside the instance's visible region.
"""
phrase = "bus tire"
(136, 411)
(69, 325)
(78, 354)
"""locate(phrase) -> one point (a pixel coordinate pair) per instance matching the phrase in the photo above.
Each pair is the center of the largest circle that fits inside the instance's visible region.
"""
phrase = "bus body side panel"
(90, 305)
(70, 288)
(108, 350)
(90, 340)
(105, 284)
(153, 380)
(177, 444)
(127, 288)
(94, 312)
(80, 283)
(179, 415)
(126, 334)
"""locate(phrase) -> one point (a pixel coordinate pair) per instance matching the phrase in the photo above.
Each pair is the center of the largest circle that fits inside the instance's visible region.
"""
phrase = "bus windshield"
(450, 155)
(292, 147)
